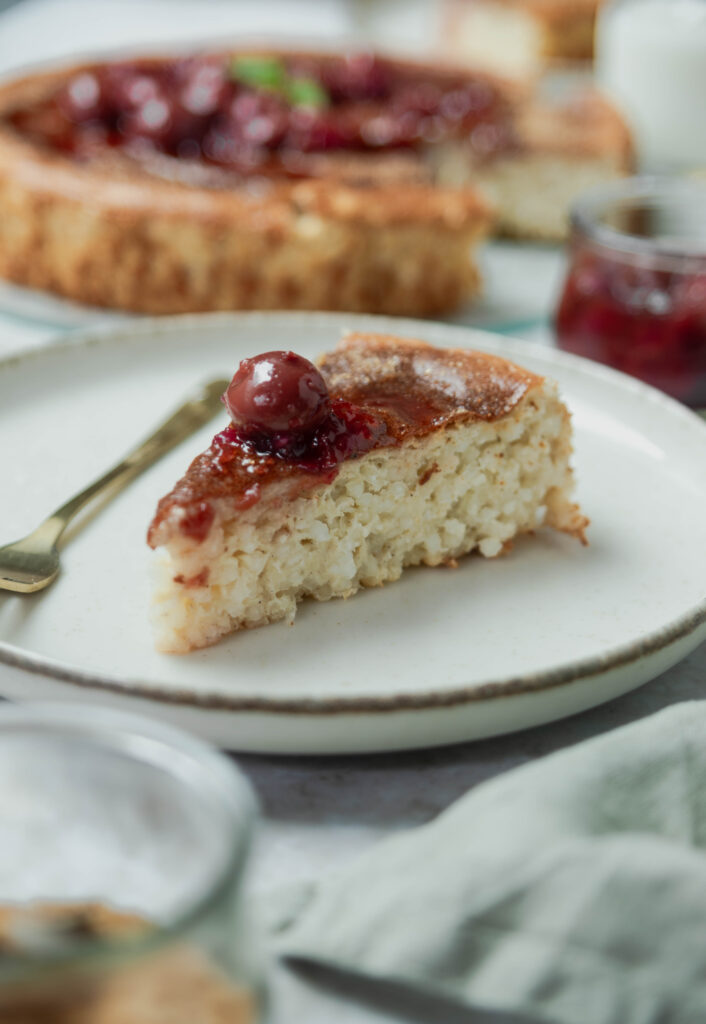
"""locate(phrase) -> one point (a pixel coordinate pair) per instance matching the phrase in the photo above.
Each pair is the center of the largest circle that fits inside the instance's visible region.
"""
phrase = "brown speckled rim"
(687, 625)
(511, 686)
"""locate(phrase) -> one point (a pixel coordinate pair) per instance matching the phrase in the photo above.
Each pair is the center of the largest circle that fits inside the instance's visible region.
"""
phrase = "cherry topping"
(360, 76)
(260, 114)
(205, 90)
(277, 391)
(83, 99)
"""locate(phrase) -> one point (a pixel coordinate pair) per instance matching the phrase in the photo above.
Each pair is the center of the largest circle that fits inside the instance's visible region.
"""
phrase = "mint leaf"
(271, 75)
(259, 72)
(306, 92)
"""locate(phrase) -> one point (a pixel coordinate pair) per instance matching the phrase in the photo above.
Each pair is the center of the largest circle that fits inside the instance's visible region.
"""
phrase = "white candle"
(651, 60)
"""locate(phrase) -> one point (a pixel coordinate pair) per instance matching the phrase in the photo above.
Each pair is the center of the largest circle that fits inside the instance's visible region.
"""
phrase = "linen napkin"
(572, 890)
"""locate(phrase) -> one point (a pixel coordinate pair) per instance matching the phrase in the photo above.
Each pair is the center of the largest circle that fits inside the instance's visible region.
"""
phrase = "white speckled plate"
(439, 657)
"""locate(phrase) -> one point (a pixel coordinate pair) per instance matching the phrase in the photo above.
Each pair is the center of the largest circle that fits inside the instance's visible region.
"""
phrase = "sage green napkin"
(572, 890)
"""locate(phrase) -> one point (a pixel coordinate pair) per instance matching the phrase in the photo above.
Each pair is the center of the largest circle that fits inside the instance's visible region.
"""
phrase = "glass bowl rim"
(586, 210)
(110, 725)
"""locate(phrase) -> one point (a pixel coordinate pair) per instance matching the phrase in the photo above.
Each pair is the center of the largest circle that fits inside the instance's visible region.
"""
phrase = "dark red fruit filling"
(646, 322)
(281, 410)
(198, 521)
(246, 112)
(345, 433)
(277, 391)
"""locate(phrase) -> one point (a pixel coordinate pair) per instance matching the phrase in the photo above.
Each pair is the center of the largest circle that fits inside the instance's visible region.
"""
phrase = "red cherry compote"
(281, 409)
(261, 114)
(635, 292)
(648, 323)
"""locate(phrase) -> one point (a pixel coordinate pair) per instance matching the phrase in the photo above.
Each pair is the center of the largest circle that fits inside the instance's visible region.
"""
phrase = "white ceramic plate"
(439, 657)
(521, 283)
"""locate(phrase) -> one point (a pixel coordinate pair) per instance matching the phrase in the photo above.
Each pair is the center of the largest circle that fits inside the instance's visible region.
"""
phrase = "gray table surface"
(320, 813)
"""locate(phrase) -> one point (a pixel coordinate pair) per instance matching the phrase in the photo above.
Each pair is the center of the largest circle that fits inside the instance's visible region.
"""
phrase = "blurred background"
(578, 123)
(39, 29)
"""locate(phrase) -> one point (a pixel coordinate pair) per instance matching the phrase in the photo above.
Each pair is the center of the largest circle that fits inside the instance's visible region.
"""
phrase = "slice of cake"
(392, 453)
(518, 38)
(564, 149)
(561, 149)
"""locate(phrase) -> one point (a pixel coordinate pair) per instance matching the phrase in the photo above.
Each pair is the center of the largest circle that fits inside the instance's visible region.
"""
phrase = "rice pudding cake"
(280, 180)
(391, 453)
(518, 38)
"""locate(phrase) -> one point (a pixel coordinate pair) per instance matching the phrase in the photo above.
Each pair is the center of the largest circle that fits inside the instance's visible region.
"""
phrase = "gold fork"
(33, 563)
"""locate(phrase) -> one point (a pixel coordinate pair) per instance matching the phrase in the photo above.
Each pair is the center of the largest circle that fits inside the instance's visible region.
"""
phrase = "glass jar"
(634, 296)
(121, 859)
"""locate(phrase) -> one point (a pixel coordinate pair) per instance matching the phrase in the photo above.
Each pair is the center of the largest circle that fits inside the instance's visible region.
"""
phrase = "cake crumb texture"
(471, 486)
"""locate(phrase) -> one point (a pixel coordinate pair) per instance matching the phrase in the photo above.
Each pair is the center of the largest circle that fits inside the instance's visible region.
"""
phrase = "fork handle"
(193, 414)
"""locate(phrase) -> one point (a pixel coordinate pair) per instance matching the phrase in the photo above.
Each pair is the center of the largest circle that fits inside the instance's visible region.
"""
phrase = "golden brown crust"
(113, 235)
(571, 38)
(553, 11)
(424, 387)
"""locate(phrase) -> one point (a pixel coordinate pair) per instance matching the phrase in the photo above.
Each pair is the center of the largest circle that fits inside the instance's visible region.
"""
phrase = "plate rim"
(513, 686)
(569, 672)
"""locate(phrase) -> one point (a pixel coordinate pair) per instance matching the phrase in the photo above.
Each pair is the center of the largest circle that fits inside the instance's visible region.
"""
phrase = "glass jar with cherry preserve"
(635, 291)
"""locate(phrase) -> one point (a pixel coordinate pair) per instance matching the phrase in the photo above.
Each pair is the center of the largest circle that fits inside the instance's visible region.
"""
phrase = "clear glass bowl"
(110, 821)
(634, 296)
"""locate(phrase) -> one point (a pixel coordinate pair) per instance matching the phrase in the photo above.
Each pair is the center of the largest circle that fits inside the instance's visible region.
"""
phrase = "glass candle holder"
(634, 296)
(122, 854)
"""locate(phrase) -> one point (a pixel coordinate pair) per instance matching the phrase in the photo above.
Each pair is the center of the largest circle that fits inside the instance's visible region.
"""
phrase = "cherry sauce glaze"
(282, 421)
(280, 408)
(259, 114)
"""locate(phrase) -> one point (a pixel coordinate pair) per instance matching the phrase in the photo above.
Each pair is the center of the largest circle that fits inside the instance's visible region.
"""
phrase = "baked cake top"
(382, 391)
(416, 387)
(212, 119)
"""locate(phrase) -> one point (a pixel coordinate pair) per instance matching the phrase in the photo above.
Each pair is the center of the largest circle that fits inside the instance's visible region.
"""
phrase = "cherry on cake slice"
(391, 453)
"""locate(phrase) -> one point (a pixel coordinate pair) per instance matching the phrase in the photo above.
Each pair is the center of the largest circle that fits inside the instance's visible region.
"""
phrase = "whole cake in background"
(281, 180)
(391, 453)
(520, 38)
